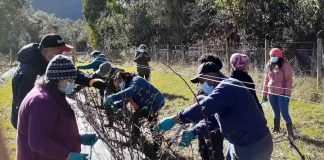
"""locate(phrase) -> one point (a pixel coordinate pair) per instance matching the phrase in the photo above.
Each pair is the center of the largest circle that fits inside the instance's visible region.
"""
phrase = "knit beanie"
(239, 61)
(60, 68)
(276, 52)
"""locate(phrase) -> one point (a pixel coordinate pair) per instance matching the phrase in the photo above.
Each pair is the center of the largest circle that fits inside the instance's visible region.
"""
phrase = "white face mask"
(142, 50)
(122, 85)
(207, 88)
(274, 59)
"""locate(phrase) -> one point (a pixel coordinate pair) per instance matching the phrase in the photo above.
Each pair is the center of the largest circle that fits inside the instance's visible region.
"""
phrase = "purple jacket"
(47, 128)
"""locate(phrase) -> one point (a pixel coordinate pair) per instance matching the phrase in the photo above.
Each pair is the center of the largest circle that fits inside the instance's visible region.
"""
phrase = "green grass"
(307, 118)
(8, 132)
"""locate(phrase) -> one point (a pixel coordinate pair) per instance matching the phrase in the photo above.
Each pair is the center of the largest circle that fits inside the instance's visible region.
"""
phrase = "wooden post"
(73, 55)
(155, 53)
(10, 58)
(168, 53)
(183, 52)
(319, 64)
(266, 51)
(227, 52)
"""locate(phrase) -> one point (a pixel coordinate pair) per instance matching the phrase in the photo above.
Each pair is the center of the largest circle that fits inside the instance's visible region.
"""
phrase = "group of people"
(227, 107)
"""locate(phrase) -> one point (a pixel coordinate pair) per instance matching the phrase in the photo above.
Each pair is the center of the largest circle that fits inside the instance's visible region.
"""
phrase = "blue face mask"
(274, 59)
(142, 50)
(122, 85)
(207, 88)
(68, 88)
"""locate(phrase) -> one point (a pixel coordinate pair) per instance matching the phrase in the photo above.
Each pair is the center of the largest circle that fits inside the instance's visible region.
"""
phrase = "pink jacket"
(278, 82)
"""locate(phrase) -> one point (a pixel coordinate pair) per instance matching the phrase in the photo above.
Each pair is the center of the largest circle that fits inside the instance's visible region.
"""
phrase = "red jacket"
(278, 82)
(47, 128)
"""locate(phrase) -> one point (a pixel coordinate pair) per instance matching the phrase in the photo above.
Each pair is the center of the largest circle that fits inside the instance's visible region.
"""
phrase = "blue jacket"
(240, 120)
(142, 93)
(201, 127)
(95, 63)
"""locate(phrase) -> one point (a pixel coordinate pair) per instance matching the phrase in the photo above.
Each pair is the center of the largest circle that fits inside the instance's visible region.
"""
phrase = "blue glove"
(264, 99)
(186, 138)
(109, 100)
(164, 125)
(77, 156)
(88, 139)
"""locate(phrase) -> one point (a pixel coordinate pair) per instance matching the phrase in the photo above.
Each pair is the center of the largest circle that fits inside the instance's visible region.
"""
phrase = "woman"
(278, 83)
(239, 71)
(97, 59)
(144, 98)
(142, 59)
(237, 114)
(210, 145)
(47, 127)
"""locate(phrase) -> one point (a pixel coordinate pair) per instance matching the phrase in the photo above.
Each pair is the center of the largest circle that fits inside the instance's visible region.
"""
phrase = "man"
(98, 59)
(241, 121)
(33, 60)
(142, 60)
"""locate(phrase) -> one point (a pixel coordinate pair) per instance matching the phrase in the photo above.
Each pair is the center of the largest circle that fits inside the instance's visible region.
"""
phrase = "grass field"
(308, 119)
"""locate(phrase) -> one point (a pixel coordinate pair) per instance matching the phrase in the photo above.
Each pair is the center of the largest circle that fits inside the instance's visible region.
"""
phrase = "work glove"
(97, 83)
(109, 100)
(164, 125)
(88, 139)
(77, 156)
(264, 99)
(186, 138)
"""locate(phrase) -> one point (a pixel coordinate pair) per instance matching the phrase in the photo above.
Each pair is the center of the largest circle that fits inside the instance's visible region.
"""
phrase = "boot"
(276, 126)
(290, 131)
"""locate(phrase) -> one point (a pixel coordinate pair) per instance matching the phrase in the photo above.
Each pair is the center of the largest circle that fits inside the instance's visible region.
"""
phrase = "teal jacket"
(95, 63)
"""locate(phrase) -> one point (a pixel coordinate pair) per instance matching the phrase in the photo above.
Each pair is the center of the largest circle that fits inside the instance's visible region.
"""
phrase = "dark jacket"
(201, 127)
(47, 127)
(246, 79)
(95, 63)
(32, 64)
(142, 60)
(142, 93)
(240, 120)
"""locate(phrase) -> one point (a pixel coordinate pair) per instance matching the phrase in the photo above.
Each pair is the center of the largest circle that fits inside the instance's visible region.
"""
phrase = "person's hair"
(125, 76)
(211, 58)
(48, 83)
(271, 66)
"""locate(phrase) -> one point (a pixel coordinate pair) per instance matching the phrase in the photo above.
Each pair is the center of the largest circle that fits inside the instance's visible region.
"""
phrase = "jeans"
(279, 105)
(261, 150)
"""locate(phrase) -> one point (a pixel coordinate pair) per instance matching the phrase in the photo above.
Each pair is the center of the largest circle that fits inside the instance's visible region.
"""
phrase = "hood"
(30, 54)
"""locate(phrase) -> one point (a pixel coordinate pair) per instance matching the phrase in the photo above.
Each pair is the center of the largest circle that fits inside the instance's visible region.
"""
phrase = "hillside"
(71, 9)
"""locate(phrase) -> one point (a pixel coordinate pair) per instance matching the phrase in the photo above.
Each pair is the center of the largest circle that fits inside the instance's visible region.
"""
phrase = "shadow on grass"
(312, 141)
(173, 97)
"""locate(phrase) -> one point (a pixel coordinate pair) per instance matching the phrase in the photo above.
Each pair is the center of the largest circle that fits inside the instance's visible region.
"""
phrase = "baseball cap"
(204, 68)
(95, 53)
(104, 69)
(55, 41)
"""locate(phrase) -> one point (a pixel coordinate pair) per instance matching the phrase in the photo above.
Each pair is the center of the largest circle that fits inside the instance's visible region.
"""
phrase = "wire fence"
(301, 55)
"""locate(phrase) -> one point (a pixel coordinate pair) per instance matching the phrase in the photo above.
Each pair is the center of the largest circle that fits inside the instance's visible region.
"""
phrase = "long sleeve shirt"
(47, 128)
(240, 120)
